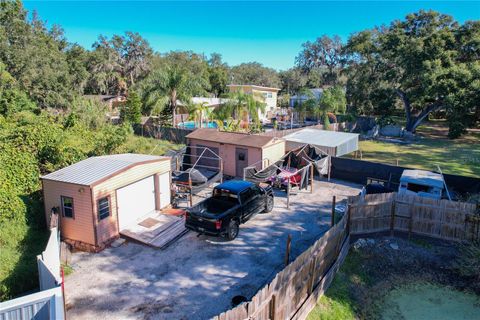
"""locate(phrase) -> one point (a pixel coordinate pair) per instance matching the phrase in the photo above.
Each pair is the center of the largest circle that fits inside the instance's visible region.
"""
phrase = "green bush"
(468, 261)
(385, 121)
(19, 170)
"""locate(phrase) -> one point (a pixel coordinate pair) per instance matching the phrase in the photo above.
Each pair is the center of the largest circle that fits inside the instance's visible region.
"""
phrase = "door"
(135, 201)
(259, 199)
(250, 203)
(164, 186)
(241, 161)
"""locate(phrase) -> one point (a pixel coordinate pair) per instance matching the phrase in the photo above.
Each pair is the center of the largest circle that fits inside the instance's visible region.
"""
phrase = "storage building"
(238, 150)
(98, 197)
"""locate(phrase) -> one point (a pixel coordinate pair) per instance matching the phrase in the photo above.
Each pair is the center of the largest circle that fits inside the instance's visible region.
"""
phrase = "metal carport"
(333, 143)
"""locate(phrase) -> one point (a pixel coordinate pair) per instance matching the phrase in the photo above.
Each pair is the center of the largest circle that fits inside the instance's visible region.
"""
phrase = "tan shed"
(97, 197)
(238, 150)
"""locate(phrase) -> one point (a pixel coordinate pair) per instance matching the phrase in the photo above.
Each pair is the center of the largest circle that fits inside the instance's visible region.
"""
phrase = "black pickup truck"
(232, 203)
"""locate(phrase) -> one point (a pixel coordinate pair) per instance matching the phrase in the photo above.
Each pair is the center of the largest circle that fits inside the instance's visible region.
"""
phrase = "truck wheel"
(232, 230)
(269, 205)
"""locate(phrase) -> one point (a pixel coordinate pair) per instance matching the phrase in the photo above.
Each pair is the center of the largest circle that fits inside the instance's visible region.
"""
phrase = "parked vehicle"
(422, 183)
(231, 204)
(374, 188)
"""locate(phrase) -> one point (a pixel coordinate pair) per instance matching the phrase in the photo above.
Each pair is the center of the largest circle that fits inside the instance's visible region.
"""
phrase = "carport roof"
(321, 137)
(94, 169)
(235, 138)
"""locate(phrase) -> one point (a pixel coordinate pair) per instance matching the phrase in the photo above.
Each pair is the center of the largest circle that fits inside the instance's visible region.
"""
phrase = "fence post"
(348, 220)
(287, 250)
(311, 281)
(288, 194)
(392, 219)
(272, 308)
(333, 211)
(329, 166)
(311, 178)
(410, 223)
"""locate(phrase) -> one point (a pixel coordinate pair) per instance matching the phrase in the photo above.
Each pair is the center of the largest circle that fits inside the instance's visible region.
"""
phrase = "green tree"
(131, 111)
(332, 100)
(254, 73)
(420, 62)
(77, 59)
(34, 56)
(292, 80)
(242, 106)
(12, 99)
(178, 76)
(218, 74)
(325, 57)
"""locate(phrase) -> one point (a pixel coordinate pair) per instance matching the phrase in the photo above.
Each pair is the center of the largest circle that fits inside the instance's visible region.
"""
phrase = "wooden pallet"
(168, 229)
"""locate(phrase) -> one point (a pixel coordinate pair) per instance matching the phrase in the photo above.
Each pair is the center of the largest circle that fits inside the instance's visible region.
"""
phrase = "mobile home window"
(67, 207)
(103, 208)
(269, 95)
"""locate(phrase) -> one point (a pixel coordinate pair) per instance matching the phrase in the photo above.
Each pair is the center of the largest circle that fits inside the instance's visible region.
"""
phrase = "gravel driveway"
(196, 277)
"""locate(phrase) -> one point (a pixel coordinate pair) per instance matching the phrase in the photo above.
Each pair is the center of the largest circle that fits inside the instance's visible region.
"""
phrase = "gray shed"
(333, 143)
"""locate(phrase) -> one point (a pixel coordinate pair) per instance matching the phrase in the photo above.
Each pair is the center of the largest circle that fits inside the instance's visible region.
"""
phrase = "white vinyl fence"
(49, 262)
(47, 304)
(43, 305)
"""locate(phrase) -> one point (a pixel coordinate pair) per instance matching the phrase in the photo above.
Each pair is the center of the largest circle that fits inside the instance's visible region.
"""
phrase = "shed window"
(241, 156)
(67, 207)
(103, 208)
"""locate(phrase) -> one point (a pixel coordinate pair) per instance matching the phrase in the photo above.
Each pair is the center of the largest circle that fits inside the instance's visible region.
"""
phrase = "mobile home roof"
(422, 177)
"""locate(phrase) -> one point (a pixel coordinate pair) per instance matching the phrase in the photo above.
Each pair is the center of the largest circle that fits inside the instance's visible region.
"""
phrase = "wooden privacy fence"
(443, 219)
(295, 290)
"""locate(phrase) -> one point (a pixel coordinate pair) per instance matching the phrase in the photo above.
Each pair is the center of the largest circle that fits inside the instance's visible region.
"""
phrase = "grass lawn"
(460, 156)
(337, 303)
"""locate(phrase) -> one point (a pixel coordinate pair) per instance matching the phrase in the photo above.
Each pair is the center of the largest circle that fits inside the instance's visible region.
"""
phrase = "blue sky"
(268, 32)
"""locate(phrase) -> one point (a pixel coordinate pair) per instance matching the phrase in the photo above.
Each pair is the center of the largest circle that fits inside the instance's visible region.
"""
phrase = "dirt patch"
(151, 308)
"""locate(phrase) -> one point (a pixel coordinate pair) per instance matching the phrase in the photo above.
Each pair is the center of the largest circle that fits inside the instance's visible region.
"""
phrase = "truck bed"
(213, 207)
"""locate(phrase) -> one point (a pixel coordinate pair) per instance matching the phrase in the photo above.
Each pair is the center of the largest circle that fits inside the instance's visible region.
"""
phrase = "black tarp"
(184, 169)
(359, 171)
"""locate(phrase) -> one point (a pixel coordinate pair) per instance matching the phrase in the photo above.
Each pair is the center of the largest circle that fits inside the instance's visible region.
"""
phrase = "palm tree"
(305, 107)
(242, 106)
(166, 86)
(197, 112)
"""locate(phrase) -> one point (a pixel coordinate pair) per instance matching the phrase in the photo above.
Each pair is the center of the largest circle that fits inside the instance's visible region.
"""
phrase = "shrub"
(385, 121)
(468, 261)
(131, 111)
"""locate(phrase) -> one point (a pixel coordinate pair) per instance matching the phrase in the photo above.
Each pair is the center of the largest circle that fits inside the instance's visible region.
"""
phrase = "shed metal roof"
(422, 177)
(235, 138)
(321, 137)
(94, 169)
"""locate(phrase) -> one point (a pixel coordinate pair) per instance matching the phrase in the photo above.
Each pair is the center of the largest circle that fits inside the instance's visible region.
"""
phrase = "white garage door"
(164, 186)
(134, 201)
